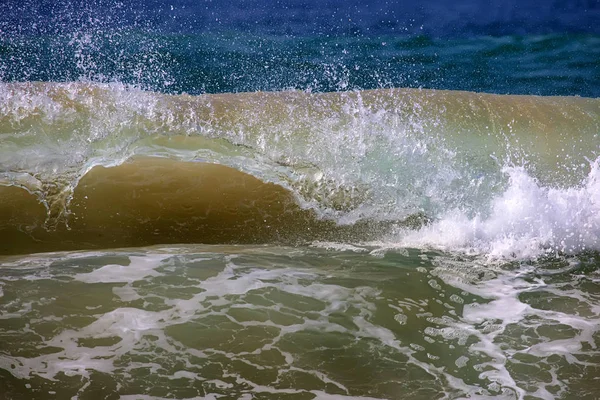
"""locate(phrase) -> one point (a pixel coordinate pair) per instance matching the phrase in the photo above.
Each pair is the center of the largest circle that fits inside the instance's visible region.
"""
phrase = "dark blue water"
(519, 47)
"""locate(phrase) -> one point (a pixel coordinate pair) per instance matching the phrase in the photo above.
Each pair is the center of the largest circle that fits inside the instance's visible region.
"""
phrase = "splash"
(527, 220)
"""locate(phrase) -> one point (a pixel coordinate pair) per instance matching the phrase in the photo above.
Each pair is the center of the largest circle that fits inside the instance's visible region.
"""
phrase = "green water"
(325, 321)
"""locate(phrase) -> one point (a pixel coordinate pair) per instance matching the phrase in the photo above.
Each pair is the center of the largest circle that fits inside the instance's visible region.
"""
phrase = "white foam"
(526, 221)
(138, 269)
(338, 246)
(123, 322)
(129, 324)
(488, 320)
(126, 293)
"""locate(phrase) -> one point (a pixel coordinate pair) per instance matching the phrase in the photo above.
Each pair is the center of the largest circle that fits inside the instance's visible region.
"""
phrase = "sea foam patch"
(140, 267)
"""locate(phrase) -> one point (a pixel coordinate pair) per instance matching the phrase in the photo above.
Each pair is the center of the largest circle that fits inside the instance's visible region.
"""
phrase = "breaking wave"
(102, 165)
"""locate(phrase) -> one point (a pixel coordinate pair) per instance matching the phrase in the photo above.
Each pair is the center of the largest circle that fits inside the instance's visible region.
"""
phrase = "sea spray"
(526, 221)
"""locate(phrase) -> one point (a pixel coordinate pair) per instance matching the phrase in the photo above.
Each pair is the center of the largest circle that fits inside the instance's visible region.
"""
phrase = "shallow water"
(324, 321)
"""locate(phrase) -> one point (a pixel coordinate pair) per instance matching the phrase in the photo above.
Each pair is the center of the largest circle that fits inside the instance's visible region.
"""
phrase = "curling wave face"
(102, 165)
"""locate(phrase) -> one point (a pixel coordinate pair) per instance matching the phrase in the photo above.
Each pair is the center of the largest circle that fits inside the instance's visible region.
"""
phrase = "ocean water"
(298, 200)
